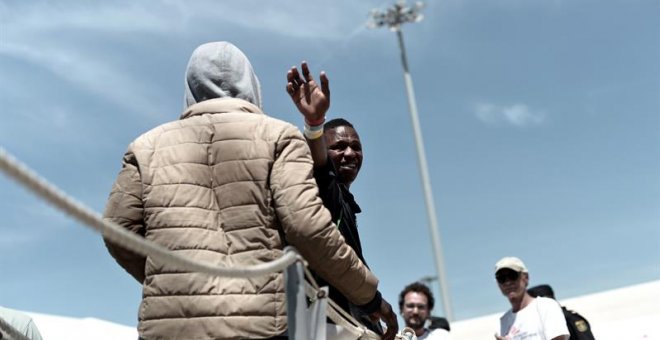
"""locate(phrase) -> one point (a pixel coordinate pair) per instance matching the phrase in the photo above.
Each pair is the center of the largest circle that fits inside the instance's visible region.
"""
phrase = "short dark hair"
(541, 290)
(417, 287)
(333, 123)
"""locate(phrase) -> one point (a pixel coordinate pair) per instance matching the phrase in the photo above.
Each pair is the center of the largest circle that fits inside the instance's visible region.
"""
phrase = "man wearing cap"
(529, 318)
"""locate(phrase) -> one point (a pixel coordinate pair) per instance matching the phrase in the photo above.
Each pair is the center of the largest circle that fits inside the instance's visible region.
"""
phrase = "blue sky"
(541, 123)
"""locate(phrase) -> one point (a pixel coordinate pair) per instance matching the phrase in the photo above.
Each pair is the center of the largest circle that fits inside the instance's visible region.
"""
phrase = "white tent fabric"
(54, 327)
(629, 313)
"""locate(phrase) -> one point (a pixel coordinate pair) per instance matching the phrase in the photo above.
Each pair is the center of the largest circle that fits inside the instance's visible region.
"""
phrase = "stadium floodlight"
(393, 17)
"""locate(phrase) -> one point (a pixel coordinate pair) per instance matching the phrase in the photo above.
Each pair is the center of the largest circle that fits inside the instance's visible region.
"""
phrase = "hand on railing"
(386, 314)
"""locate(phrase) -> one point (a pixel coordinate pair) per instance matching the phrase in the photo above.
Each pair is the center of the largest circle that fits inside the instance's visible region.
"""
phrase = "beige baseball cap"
(512, 263)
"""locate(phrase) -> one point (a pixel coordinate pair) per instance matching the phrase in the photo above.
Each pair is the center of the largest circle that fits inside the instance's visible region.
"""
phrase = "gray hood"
(220, 70)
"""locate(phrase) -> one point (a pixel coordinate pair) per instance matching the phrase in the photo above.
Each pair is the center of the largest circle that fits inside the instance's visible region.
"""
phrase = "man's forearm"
(319, 151)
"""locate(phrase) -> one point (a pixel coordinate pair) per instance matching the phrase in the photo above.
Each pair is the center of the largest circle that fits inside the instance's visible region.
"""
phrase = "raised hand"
(310, 99)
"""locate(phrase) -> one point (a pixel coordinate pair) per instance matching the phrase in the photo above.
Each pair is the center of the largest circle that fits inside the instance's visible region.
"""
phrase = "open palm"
(310, 99)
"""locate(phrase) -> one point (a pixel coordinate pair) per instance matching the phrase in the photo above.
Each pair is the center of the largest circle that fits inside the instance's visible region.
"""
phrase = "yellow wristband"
(313, 132)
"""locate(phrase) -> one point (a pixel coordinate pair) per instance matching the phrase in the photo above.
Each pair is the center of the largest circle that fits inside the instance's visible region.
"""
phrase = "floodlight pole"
(394, 17)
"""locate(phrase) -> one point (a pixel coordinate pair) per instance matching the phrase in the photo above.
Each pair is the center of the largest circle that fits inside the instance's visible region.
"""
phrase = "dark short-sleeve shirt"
(341, 204)
(343, 208)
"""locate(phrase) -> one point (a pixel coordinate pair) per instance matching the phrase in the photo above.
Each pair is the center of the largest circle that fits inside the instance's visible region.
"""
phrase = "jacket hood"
(220, 70)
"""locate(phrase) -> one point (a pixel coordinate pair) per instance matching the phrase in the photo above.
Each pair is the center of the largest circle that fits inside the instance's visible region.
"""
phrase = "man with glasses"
(529, 318)
(416, 303)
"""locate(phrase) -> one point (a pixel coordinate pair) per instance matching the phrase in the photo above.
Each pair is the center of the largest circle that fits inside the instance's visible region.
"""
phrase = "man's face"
(512, 284)
(345, 152)
(415, 310)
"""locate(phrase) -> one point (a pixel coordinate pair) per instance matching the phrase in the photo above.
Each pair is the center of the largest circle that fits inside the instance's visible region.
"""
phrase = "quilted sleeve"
(125, 208)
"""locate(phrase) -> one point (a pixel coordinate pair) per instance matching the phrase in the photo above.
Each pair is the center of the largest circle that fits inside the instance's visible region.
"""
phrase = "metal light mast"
(393, 18)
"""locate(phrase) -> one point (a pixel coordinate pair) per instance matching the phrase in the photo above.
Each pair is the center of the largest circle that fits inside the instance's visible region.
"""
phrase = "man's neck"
(517, 305)
(346, 184)
(420, 331)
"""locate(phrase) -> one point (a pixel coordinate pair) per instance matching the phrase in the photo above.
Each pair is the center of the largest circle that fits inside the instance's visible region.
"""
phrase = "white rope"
(127, 239)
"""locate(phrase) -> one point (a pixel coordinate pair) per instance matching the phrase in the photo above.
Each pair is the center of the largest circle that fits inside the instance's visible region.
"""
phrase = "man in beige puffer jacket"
(227, 184)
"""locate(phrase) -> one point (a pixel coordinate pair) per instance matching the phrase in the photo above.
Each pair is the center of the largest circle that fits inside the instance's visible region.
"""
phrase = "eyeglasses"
(415, 305)
(507, 275)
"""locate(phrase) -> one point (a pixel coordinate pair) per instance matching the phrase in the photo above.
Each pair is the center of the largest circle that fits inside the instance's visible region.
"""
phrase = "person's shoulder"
(278, 123)
(438, 334)
(148, 137)
(280, 128)
(571, 314)
(548, 304)
(544, 301)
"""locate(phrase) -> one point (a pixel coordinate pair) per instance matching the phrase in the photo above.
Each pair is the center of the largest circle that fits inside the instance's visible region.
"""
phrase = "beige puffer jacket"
(223, 185)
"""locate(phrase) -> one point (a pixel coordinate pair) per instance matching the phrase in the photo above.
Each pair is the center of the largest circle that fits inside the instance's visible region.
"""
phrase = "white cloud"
(518, 115)
(309, 19)
(82, 69)
(39, 17)
(38, 221)
(49, 34)
(44, 34)
(15, 238)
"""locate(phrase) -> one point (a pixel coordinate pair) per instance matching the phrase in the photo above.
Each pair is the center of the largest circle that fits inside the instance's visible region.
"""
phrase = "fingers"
(390, 321)
(289, 75)
(306, 73)
(390, 333)
(306, 83)
(392, 325)
(291, 81)
(325, 85)
(294, 77)
(388, 315)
